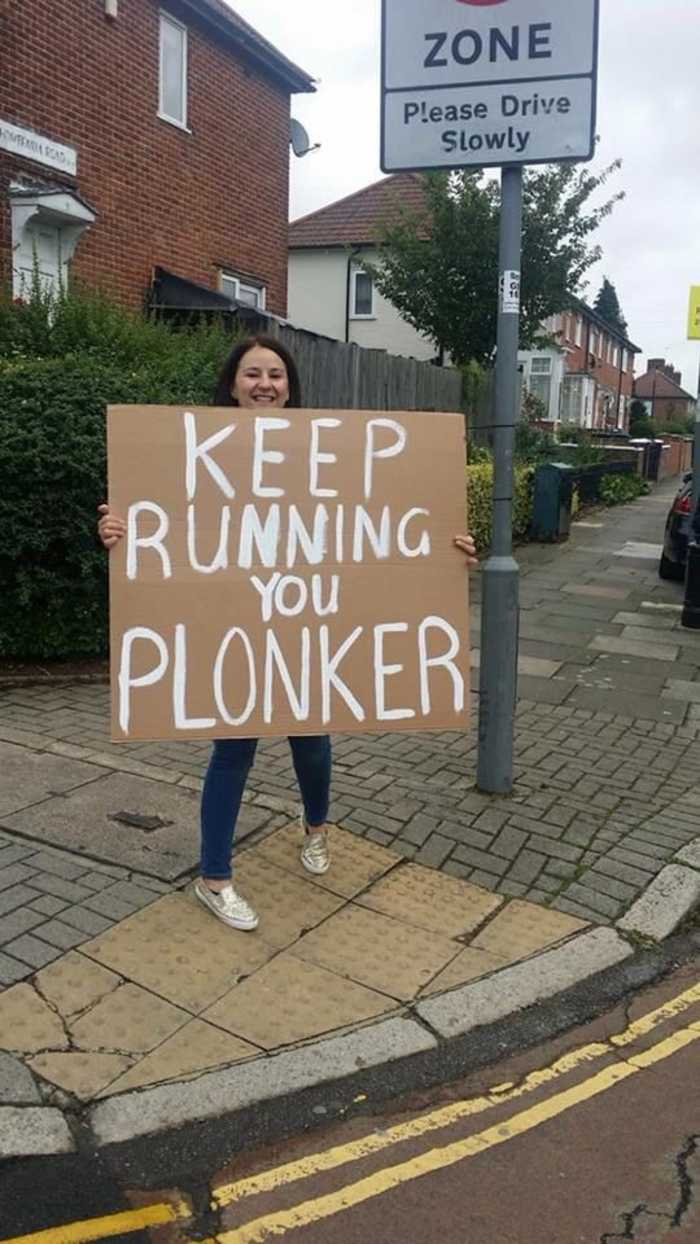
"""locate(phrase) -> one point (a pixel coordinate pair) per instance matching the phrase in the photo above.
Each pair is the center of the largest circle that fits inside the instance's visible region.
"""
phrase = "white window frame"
(578, 331)
(169, 20)
(354, 313)
(232, 285)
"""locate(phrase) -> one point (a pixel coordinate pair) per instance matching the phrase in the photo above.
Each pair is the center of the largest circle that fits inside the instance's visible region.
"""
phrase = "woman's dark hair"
(223, 395)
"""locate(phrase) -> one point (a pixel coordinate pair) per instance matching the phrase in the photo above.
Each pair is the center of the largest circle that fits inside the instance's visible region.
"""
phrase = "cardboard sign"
(286, 572)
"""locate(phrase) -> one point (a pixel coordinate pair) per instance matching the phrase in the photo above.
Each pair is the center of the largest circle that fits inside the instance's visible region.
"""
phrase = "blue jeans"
(225, 781)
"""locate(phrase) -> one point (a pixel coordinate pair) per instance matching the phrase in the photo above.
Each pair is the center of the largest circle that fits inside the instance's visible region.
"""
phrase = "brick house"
(146, 144)
(661, 391)
(586, 376)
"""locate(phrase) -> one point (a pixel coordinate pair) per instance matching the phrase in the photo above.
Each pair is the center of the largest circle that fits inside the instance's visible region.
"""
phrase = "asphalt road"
(587, 1139)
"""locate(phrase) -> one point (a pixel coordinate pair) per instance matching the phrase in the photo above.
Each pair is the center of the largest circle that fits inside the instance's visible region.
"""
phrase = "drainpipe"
(356, 250)
(619, 388)
(586, 369)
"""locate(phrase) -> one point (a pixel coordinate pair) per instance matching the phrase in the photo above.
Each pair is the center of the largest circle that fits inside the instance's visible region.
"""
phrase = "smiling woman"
(259, 371)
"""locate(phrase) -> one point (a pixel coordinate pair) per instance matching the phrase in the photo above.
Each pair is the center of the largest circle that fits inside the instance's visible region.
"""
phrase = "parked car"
(678, 530)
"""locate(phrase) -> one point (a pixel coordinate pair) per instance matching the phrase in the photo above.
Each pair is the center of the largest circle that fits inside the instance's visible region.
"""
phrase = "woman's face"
(261, 379)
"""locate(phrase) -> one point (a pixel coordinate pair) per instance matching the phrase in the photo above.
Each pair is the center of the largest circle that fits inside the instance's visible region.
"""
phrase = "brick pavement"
(607, 752)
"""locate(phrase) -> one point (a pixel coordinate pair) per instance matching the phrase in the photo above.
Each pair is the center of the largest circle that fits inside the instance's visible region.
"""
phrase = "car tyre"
(671, 570)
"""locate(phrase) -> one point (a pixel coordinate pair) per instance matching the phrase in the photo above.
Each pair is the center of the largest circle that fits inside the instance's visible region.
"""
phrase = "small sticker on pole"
(510, 293)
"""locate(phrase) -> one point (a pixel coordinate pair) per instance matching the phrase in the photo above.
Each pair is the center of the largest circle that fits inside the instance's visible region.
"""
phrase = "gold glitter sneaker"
(227, 905)
(315, 853)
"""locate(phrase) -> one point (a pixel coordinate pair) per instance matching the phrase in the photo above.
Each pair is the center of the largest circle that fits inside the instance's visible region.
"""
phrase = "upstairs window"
(362, 295)
(579, 330)
(173, 71)
(242, 291)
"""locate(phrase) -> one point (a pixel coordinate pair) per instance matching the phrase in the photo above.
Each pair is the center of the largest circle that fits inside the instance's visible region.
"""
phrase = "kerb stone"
(513, 989)
(689, 855)
(665, 902)
(26, 1131)
(222, 1092)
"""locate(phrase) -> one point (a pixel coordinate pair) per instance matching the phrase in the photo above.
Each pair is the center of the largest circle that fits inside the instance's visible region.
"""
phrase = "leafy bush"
(61, 364)
(480, 503)
(642, 426)
(534, 445)
(617, 489)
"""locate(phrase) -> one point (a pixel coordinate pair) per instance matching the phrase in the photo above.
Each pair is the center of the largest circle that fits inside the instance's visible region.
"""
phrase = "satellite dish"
(298, 137)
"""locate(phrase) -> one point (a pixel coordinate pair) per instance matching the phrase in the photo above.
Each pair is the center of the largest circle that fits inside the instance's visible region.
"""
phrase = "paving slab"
(83, 1074)
(176, 949)
(387, 955)
(634, 648)
(291, 1000)
(431, 900)
(27, 1022)
(75, 983)
(356, 863)
(194, 1048)
(522, 929)
(84, 821)
(30, 777)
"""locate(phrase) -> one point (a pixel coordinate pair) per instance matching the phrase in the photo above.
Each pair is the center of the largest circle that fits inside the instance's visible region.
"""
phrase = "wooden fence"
(341, 376)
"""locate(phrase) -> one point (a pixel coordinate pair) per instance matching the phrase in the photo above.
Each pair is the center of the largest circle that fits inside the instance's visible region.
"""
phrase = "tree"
(641, 423)
(608, 306)
(439, 267)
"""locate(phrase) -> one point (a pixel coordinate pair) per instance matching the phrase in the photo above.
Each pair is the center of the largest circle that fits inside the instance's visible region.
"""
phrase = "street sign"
(694, 314)
(487, 82)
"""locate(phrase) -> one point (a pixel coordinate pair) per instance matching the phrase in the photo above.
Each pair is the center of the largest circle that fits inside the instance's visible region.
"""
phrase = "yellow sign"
(694, 314)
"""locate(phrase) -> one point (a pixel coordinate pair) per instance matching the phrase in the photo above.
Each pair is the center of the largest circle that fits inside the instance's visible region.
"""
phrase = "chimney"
(677, 378)
(656, 364)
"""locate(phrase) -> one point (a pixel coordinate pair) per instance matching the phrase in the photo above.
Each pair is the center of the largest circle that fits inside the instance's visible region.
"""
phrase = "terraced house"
(126, 131)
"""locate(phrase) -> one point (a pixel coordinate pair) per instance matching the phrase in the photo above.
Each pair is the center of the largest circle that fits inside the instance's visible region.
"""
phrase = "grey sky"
(648, 110)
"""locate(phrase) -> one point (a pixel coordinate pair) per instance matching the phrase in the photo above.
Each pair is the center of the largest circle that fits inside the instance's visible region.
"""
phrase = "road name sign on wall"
(487, 82)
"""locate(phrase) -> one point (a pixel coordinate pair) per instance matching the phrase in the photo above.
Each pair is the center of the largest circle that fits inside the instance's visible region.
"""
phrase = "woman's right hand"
(110, 528)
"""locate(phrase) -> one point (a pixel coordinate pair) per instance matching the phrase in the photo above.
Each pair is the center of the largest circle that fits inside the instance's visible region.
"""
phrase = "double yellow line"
(280, 1222)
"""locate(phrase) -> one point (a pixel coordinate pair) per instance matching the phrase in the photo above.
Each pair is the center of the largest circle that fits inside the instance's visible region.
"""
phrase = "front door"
(39, 248)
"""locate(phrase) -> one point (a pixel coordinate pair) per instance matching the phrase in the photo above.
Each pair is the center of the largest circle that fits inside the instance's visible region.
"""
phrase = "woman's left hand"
(466, 544)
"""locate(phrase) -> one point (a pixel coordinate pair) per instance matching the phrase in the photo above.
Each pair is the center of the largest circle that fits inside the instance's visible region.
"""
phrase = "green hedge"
(53, 574)
(480, 502)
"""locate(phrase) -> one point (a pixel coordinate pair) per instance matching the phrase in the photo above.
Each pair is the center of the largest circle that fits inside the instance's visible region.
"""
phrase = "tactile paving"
(355, 862)
(431, 900)
(468, 966)
(128, 1021)
(287, 906)
(181, 951)
(195, 1048)
(522, 928)
(83, 1074)
(377, 951)
(289, 1000)
(27, 1023)
(73, 983)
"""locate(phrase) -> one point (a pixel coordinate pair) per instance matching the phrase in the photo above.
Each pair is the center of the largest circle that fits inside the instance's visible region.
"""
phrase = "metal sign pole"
(500, 576)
